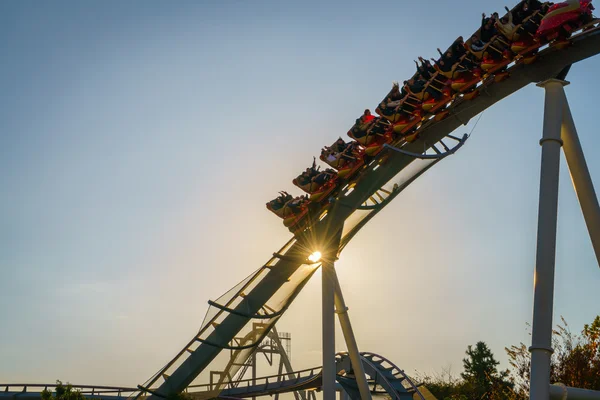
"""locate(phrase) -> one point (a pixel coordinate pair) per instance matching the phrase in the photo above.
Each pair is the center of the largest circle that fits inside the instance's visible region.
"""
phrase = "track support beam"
(328, 321)
(559, 131)
(541, 341)
(357, 366)
(580, 176)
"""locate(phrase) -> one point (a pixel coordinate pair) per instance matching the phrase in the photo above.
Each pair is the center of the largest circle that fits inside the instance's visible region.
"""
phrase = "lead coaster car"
(564, 18)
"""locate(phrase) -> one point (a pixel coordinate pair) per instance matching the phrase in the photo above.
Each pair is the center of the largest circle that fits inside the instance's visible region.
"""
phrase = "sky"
(140, 141)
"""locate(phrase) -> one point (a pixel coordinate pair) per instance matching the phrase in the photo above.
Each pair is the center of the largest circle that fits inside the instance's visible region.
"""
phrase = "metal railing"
(88, 390)
(264, 383)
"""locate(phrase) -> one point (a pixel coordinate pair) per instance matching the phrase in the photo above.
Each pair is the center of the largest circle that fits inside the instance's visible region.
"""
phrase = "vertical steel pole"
(254, 370)
(328, 290)
(541, 341)
(342, 312)
(582, 181)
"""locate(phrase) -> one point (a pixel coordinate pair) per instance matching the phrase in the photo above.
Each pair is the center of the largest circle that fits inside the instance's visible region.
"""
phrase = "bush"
(63, 392)
(575, 361)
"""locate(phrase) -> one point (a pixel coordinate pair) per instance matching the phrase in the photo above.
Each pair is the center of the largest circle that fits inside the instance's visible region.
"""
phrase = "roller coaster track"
(266, 294)
(384, 378)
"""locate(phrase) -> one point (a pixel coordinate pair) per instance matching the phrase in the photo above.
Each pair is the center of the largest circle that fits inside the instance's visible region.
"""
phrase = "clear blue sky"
(139, 142)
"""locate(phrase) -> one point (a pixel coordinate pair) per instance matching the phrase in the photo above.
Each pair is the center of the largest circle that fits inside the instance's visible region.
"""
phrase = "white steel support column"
(342, 312)
(582, 181)
(541, 341)
(328, 294)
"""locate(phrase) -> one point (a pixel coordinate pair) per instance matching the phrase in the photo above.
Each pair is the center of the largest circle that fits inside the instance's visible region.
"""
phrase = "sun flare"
(315, 257)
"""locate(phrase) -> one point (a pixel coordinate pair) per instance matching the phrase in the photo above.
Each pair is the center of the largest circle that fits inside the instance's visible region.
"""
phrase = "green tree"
(63, 392)
(481, 374)
(479, 380)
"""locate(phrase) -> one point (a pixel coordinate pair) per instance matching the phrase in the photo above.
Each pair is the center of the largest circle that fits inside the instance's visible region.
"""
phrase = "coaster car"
(346, 158)
(491, 56)
(277, 205)
(401, 110)
(332, 155)
(493, 62)
(463, 75)
(318, 185)
(367, 131)
(466, 82)
(431, 95)
(443, 94)
(373, 134)
(522, 41)
(402, 122)
(564, 18)
(295, 211)
(462, 70)
(305, 180)
(391, 107)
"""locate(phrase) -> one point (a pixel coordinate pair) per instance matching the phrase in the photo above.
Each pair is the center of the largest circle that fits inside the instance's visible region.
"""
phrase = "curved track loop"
(348, 213)
(384, 376)
(382, 373)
